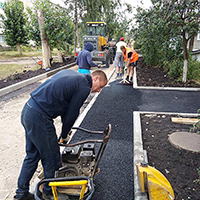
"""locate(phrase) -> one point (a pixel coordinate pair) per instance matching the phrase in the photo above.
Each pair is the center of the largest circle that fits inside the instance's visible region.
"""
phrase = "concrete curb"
(168, 88)
(24, 83)
(138, 154)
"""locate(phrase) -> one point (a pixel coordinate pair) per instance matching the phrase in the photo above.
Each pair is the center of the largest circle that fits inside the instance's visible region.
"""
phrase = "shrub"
(193, 69)
(174, 68)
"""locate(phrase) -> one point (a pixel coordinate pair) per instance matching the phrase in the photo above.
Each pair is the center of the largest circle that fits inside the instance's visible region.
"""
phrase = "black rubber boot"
(29, 196)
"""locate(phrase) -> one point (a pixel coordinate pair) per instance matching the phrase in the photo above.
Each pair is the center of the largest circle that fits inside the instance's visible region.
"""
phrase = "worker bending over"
(131, 58)
(61, 95)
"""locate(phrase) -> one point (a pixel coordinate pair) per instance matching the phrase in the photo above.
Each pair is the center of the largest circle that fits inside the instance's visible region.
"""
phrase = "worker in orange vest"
(131, 58)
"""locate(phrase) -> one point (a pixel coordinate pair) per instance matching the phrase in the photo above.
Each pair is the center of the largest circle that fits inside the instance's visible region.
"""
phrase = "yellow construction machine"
(104, 47)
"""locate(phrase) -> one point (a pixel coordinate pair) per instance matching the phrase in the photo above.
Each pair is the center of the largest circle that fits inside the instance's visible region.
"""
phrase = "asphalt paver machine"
(80, 161)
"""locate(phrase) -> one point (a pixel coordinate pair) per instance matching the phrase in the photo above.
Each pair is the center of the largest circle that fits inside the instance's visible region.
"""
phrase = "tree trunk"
(60, 59)
(191, 43)
(44, 40)
(19, 50)
(185, 67)
(185, 53)
(66, 49)
(49, 51)
(76, 25)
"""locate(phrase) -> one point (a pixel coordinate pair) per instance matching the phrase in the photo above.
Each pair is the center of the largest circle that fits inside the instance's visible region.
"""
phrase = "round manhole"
(185, 140)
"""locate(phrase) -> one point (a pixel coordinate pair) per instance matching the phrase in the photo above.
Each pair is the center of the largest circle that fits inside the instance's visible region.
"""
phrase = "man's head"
(89, 47)
(99, 80)
(121, 39)
(123, 49)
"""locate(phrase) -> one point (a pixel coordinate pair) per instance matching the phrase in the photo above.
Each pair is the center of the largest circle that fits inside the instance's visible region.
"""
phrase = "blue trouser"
(84, 71)
(41, 143)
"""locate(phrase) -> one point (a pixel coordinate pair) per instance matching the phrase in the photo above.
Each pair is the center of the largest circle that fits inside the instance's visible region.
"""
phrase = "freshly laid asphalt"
(115, 106)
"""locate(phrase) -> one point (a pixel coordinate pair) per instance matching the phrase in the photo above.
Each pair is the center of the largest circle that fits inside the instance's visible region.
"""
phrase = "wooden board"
(184, 120)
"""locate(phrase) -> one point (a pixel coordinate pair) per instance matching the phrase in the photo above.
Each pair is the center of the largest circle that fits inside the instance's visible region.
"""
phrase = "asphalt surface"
(115, 106)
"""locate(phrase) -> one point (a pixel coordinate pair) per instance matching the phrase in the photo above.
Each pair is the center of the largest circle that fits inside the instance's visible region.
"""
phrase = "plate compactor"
(80, 160)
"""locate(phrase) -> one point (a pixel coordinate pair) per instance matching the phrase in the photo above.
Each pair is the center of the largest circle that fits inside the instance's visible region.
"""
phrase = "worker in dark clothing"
(84, 59)
(61, 95)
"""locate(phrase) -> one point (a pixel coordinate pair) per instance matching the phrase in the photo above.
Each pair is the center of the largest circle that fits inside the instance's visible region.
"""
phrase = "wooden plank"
(184, 120)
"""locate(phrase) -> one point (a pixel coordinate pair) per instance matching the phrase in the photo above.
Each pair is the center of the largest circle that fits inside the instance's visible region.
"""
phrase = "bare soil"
(177, 165)
(156, 77)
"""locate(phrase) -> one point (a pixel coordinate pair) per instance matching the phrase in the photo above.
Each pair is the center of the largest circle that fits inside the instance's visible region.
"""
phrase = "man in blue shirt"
(84, 59)
(61, 95)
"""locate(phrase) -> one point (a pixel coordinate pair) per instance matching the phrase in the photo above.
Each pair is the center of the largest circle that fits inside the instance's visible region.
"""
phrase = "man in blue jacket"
(84, 59)
(61, 95)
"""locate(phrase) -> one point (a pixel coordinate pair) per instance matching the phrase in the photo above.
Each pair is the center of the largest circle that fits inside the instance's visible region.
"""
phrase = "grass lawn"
(7, 55)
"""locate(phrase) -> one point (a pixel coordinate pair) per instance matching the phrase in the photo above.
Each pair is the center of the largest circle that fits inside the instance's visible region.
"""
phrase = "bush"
(193, 69)
(174, 68)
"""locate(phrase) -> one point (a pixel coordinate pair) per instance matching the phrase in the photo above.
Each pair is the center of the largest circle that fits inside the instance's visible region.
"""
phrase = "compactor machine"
(80, 161)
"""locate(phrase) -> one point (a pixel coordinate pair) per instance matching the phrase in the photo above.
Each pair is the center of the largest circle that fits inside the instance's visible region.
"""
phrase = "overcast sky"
(146, 3)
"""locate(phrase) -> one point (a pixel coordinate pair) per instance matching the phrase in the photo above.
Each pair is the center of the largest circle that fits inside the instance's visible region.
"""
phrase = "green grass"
(7, 55)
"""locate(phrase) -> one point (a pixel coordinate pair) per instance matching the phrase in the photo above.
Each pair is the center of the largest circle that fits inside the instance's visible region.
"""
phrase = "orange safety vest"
(134, 56)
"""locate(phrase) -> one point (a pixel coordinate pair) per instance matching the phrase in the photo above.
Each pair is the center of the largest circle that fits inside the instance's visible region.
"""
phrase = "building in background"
(196, 47)
(2, 38)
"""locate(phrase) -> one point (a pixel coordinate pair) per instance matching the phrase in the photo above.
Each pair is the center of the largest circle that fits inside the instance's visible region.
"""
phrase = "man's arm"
(129, 59)
(90, 62)
(73, 110)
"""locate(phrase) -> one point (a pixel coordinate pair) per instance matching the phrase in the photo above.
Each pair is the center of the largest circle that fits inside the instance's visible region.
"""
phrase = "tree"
(161, 28)
(44, 40)
(33, 27)
(15, 24)
(154, 36)
(183, 17)
(56, 28)
(59, 28)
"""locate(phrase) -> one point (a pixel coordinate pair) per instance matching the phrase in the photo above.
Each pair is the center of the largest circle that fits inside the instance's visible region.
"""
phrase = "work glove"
(99, 66)
(64, 140)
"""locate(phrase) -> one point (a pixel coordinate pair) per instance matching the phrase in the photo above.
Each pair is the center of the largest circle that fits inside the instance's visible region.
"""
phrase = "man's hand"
(65, 140)
(99, 66)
